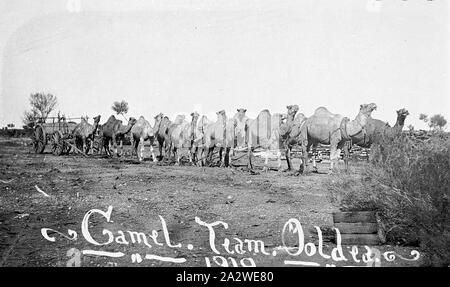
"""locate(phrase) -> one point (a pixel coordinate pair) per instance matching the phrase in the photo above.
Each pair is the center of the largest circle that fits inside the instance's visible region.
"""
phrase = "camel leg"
(84, 145)
(304, 165)
(178, 157)
(346, 149)
(133, 149)
(106, 147)
(335, 153)
(230, 155)
(314, 160)
(222, 155)
(200, 154)
(266, 161)
(193, 152)
(114, 143)
(227, 157)
(142, 142)
(279, 160)
(160, 147)
(152, 152)
(249, 156)
(209, 156)
(288, 158)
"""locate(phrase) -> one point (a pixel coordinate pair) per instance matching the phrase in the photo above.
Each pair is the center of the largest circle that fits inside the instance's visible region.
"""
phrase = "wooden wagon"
(56, 132)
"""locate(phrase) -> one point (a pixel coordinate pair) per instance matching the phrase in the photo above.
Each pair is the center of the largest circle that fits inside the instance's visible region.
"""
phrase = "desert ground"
(39, 191)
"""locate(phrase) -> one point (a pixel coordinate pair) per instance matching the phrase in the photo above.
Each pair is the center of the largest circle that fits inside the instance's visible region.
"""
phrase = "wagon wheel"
(57, 143)
(39, 140)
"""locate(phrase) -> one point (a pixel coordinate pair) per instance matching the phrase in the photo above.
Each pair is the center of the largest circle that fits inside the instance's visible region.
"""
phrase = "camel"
(160, 130)
(198, 146)
(241, 124)
(179, 137)
(112, 130)
(219, 134)
(336, 130)
(84, 132)
(290, 131)
(142, 131)
(188, 135)
(264, 133)
(375, 129)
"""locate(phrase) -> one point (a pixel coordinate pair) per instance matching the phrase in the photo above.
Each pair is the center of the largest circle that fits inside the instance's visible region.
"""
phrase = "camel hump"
(322, 111)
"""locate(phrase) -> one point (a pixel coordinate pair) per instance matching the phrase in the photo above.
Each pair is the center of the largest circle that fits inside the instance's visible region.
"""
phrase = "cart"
(57, 132)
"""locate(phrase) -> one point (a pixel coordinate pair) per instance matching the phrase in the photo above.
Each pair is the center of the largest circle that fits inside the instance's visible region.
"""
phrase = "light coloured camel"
(336, 130)
(85, 132)
(112, 130)
(142, 131)
(220, 134)
(184, 136)
(290, 131)
(199, 143)
(263, 133)
(175, 136)
(160, 130)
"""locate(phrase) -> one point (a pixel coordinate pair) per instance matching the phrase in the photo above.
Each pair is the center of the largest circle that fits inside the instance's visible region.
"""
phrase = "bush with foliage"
(407, 182)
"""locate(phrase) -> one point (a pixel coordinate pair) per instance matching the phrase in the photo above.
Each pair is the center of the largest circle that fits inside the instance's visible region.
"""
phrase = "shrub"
(407, 183)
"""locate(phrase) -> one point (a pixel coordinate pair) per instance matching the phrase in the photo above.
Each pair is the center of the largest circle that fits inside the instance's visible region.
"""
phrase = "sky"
(177, 56)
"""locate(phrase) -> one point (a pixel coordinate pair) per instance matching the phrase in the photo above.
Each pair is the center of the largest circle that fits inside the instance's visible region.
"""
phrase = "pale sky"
(177, 56)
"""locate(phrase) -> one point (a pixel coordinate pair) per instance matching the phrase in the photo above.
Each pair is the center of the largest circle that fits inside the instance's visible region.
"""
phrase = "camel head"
(158, 119)
(97, 119)
(132, 121)
(292, 109)
(367, 109)
(195, 116)
(159, 116)
(240, 114)
(401, 116)
(402, 112)
(221, 115)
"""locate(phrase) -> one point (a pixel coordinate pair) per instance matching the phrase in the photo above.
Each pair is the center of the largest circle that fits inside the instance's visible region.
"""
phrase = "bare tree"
(41, 106)
(120, 108)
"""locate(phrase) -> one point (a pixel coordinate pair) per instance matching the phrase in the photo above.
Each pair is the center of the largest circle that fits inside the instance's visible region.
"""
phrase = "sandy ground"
(255, 207)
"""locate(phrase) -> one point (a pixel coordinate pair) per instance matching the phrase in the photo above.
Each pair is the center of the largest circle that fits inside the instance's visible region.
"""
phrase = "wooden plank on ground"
(354, 216)
(357, 227)
(360, 239)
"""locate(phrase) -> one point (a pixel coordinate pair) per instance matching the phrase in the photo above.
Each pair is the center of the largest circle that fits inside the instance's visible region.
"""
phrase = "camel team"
(276, 132)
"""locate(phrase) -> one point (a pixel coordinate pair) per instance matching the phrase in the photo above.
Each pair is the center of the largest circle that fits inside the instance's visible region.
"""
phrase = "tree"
(41, 106)
(411, 128)
(423, 117)
(437, 122)
(120, 108)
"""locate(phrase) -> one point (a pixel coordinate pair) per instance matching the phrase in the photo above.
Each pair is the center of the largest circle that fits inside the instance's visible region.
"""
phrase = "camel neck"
(290, 118)
(398, 127)
(356, 126)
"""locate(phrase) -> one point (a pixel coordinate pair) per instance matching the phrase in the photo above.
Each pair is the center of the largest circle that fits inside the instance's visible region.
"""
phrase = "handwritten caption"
(225, 251)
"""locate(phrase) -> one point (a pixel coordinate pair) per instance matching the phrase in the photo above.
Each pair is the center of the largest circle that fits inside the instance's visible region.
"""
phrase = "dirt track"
(256, 206)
